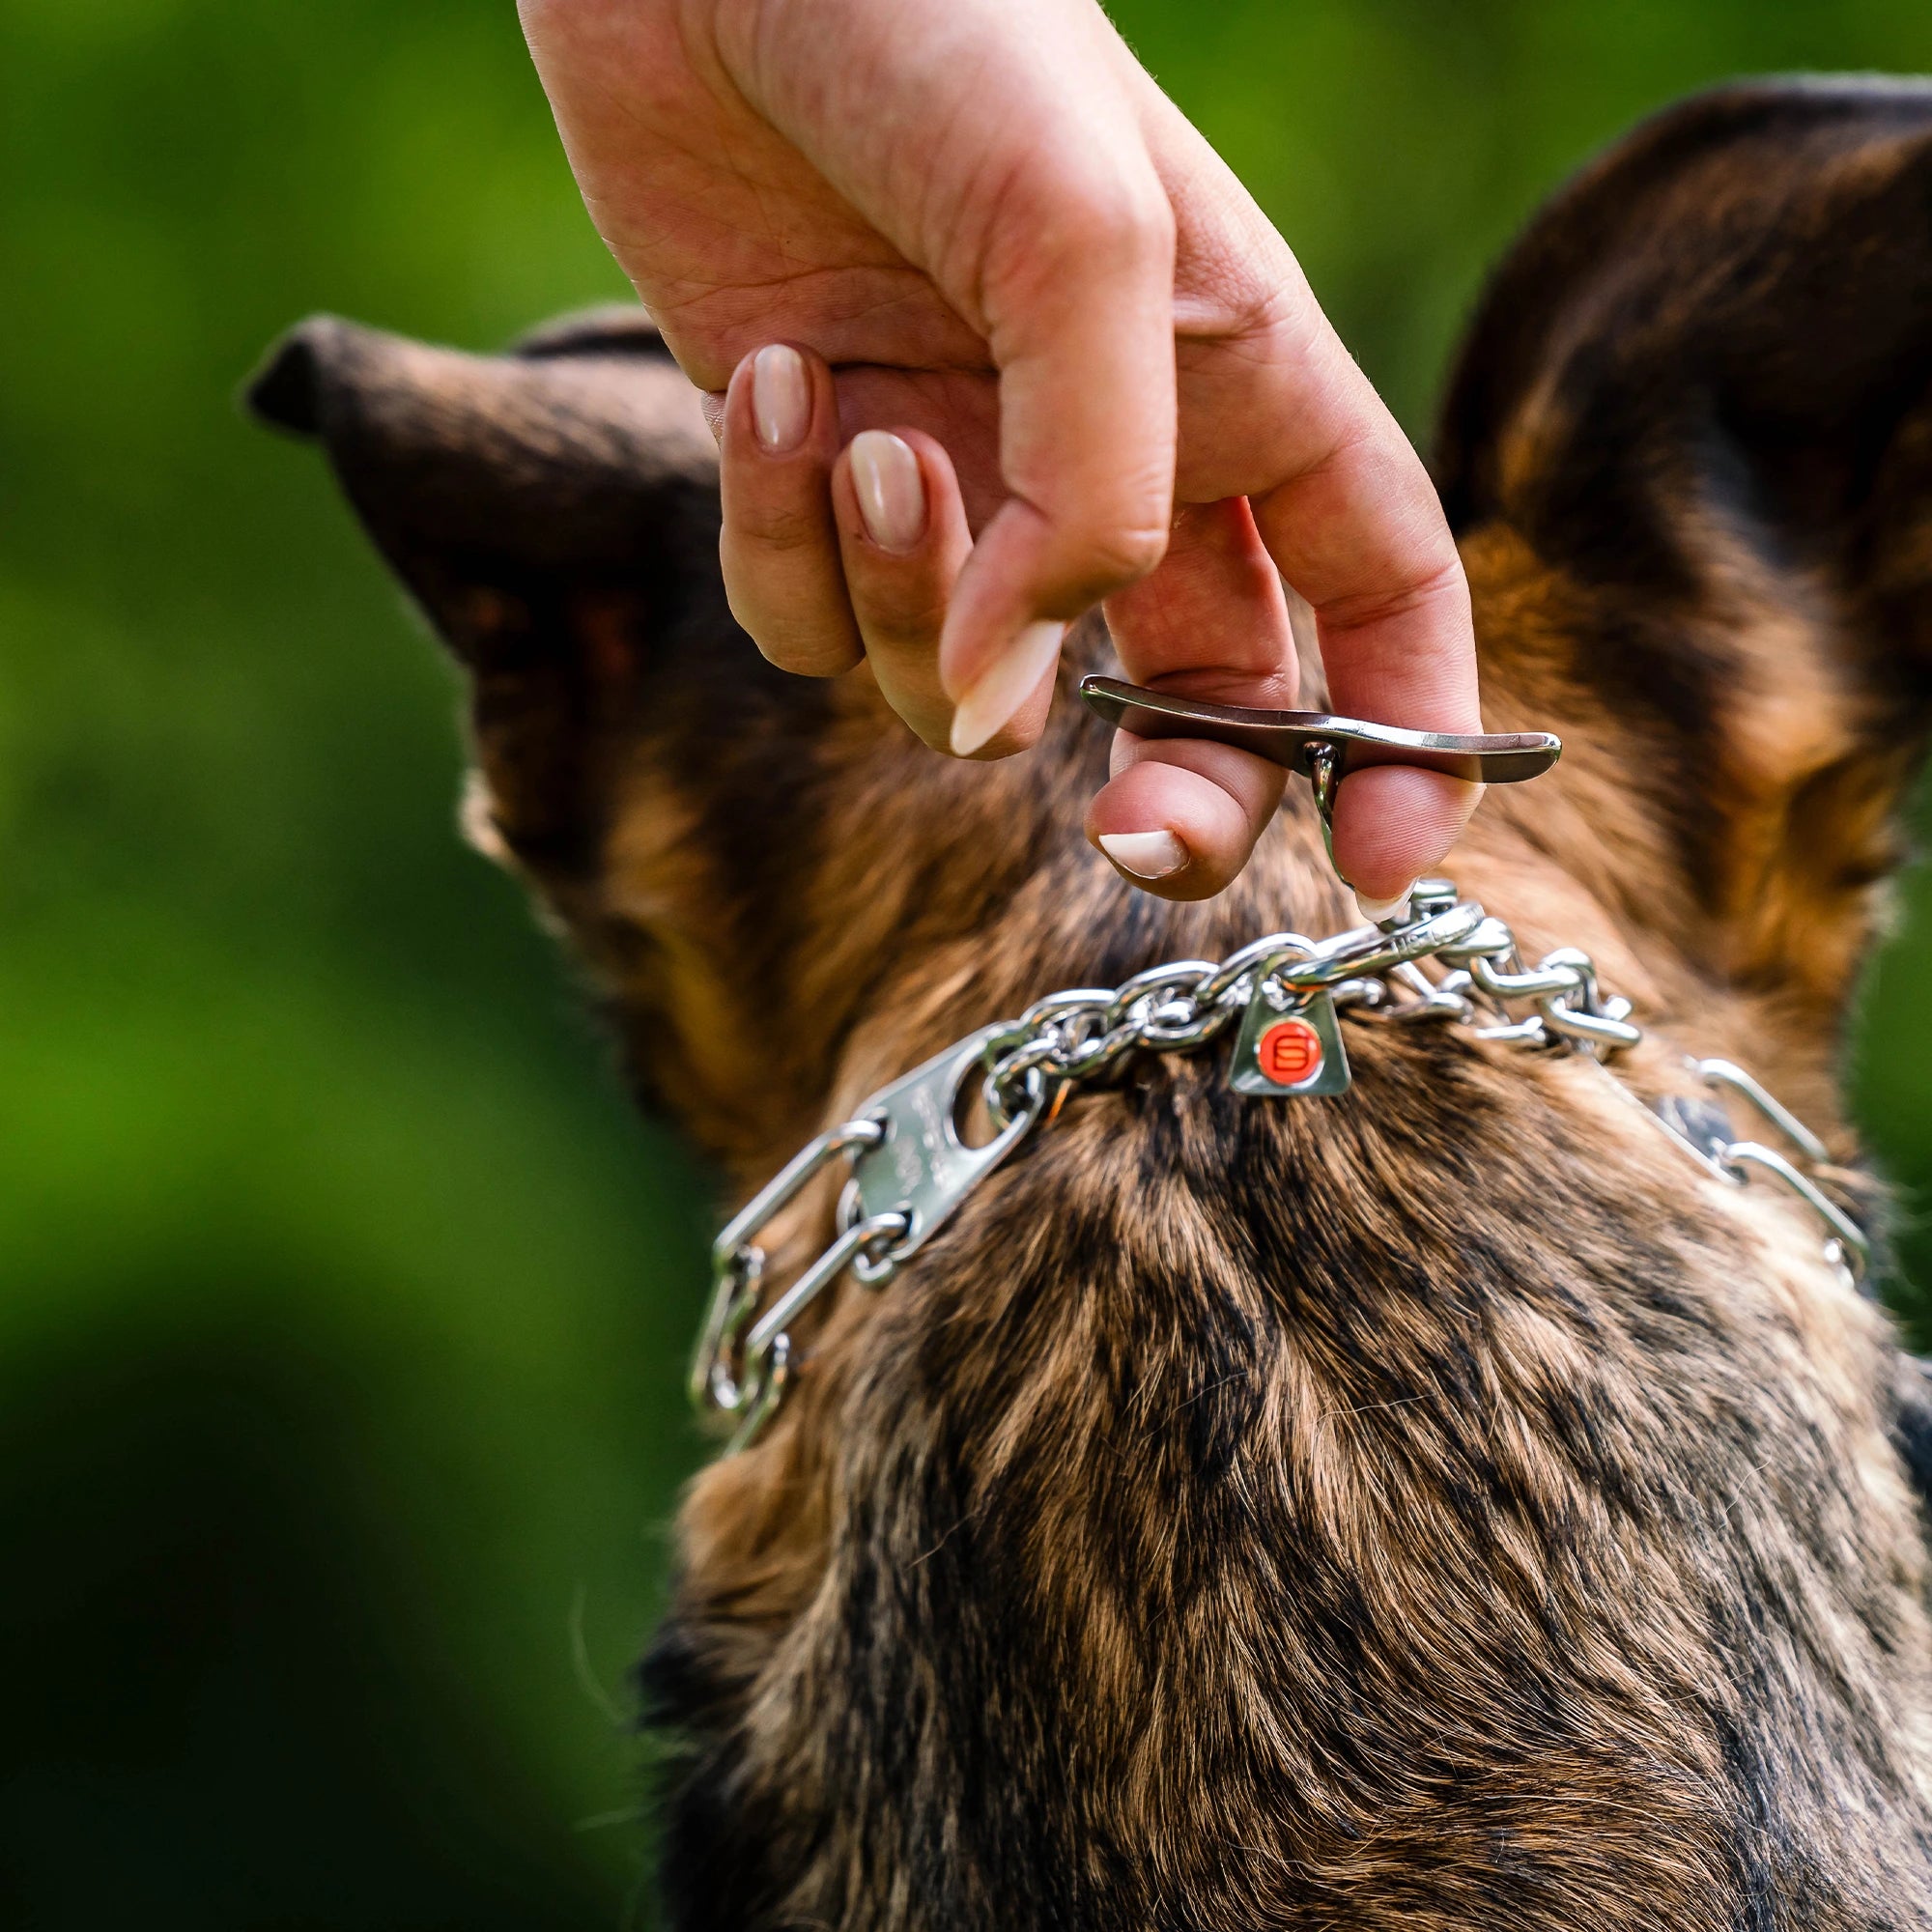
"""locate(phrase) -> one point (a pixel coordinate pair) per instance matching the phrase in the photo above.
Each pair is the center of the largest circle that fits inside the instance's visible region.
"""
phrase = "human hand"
(989, 334)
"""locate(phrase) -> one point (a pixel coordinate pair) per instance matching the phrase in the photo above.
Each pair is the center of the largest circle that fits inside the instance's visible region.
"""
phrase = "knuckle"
(809, 654)
(1116, 223)
(898, 618)
(1058, 223)
(1431, 579)
(1110, 556)
(1097, 213)
(784, 527)
(1132, 552)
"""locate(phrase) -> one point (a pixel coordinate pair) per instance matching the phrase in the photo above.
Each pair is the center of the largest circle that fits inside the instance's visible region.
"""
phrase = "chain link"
(1082, 1036)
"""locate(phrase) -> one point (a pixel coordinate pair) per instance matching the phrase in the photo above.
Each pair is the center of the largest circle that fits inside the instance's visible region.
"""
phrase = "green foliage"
(340, 1355)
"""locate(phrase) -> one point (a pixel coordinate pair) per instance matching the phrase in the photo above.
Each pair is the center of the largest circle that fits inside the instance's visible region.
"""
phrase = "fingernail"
(1146, 855)
(1378, 911)
(1003, 685)
(890, 492)
(780, 398)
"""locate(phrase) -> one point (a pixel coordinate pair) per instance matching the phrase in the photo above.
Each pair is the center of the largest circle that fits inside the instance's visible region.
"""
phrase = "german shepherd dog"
(1437, 1506)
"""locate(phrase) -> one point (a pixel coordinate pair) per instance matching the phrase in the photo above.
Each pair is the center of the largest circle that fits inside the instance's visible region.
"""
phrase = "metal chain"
(910, 1167)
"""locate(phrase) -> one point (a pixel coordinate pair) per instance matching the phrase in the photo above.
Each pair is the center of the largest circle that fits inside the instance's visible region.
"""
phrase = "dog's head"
(1688, 453)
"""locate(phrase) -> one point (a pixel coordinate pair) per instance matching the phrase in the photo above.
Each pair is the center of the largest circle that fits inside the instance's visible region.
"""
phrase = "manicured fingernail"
(1146, 855)
(1003, 685)
(890, 492)
(1377, 911)
(780, 398)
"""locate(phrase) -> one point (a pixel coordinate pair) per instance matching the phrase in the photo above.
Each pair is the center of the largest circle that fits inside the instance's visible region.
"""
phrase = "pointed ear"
(1687, 451)
(582, 450)
(552, 511)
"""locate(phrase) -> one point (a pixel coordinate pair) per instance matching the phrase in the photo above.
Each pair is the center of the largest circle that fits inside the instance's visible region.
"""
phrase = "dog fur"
(1434, 1508)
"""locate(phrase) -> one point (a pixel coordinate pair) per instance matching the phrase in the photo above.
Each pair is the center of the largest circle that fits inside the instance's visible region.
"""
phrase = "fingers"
(1212, 621)
(831, 554)
(904, 537)
(1179, 816)
(777, 544)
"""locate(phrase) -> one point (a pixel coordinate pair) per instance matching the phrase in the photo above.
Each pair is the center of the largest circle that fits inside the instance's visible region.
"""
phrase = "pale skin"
(989, 334)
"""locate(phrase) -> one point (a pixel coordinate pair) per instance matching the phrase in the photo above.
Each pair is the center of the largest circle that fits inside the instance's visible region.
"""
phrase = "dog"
(1438, 1506)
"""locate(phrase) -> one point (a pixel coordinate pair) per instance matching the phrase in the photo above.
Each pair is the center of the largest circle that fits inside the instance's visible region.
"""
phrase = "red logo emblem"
(1290, 1053)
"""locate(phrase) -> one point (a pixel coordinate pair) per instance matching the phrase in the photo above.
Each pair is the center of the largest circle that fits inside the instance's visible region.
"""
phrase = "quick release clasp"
(1320, 748)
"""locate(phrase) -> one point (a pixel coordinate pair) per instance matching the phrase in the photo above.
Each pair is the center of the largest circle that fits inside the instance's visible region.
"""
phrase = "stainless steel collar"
(910, 1165)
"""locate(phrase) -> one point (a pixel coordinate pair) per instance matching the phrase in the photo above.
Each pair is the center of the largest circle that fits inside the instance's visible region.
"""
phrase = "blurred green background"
(345, 1305)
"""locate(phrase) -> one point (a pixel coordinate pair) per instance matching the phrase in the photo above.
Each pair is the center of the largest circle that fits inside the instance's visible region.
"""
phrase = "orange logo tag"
(1289, 1052)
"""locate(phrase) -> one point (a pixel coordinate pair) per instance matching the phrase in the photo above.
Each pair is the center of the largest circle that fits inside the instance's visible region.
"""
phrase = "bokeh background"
(344, 1305)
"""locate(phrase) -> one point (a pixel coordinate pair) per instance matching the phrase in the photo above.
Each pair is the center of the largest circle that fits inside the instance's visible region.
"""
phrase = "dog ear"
(1687, 452)
(552, 513)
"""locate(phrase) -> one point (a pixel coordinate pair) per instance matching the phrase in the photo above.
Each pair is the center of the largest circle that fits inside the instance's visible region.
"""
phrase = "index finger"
(1273, 407)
